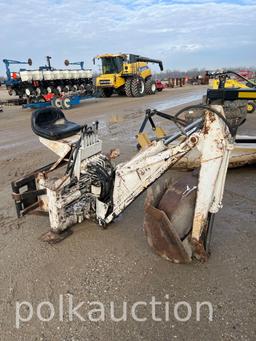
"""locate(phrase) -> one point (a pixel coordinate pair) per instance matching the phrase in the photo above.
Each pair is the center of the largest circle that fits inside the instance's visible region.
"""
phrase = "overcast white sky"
(183, 33)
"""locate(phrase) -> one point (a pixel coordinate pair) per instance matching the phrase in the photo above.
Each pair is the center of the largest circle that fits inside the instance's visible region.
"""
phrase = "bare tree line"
(191, 73)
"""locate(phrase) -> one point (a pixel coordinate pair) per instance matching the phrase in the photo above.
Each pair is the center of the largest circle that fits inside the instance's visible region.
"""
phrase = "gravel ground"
(116, 265)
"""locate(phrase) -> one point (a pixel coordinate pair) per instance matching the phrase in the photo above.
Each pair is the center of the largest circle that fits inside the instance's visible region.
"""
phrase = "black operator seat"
(52, 124)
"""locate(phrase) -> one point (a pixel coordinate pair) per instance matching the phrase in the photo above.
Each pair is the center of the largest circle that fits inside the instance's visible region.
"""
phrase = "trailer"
(35, 84)
(65, 102)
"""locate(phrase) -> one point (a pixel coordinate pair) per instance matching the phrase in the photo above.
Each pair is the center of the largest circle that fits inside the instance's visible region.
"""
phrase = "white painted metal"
(60, 147)
(37, 75)
(88, 73)
(81, 73)
(26, 76)
(47, 75)
(243, 153)
(56, 74)
(215, 151)
(136, 175)
(66, 74)
(75, 74)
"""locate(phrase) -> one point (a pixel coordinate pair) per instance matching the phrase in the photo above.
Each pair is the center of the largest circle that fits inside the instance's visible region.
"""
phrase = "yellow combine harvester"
(126, 74)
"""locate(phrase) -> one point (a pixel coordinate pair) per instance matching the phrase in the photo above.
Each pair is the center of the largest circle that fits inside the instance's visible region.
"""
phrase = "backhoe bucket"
(169, 212)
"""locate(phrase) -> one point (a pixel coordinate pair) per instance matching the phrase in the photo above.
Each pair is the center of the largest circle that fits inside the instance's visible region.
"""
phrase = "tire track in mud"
(9, 224)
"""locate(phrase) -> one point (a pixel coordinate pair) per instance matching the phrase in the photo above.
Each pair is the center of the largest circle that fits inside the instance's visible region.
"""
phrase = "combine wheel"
(150, 87)
(121, 91)
(128, 88)
(138, 87)
(106, 92)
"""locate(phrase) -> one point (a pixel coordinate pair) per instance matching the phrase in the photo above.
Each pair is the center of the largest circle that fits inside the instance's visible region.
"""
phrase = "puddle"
(173, 102)
(11, 145)
(126, 126)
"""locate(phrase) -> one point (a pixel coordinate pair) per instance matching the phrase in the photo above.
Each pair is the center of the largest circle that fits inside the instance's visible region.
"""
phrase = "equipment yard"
(116, 264)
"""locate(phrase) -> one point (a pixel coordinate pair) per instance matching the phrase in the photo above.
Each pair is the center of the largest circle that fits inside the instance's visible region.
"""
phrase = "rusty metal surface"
(199, 251)
(178, 203)
(168, 218)
(240, 156)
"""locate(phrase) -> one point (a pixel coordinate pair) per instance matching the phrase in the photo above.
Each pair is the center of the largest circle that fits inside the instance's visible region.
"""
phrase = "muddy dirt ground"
(116, 264)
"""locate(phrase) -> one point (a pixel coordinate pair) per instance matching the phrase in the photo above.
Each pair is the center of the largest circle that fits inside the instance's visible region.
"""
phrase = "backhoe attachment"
(84, 184)
(179, 215)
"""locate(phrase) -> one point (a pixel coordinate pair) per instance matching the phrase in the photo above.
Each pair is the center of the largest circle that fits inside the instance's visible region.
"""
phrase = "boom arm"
(8, 62)
(150, 60)
(133, 58)
(67, 62)
(133, 177)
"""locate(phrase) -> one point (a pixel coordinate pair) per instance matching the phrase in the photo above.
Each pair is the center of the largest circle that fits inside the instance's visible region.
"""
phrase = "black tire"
(66, 88)
(251, 106)
(12, 92)
(128, 88)
(150, 86)
(106, 92)
(43, 91)
(160, 89)
(138, 87)
(121, 91)
(38, 92)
